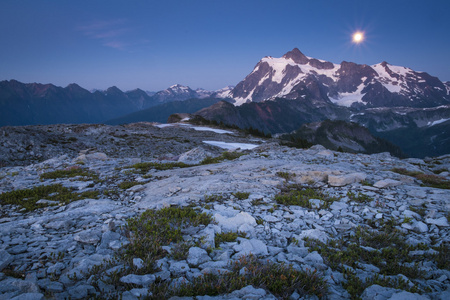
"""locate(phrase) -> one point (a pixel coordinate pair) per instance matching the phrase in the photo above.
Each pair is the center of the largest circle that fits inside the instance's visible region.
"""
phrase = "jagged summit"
(297, 56)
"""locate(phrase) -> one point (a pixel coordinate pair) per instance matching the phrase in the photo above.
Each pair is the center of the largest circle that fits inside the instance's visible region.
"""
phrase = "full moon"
(358, 37)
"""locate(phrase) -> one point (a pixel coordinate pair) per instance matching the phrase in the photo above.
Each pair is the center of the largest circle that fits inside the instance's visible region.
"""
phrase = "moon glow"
(358, 37)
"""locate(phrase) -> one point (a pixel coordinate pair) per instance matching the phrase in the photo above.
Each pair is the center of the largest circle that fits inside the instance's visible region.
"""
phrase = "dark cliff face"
(345, 136)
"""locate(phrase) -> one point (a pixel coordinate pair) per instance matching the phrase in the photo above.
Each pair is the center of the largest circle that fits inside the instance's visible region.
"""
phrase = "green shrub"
(214, 198)
(241, 195)
(285, 175)
(228, 237)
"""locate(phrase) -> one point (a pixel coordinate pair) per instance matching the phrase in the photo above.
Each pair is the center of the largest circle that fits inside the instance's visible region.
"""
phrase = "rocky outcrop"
(358, 200)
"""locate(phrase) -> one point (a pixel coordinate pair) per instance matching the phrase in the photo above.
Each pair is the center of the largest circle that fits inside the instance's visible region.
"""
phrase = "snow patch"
(231, 146)
(347, 99)
(198, 128)
(221, 131)
(437, 122)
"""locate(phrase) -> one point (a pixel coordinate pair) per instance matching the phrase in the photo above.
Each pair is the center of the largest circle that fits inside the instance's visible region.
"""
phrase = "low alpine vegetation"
(124, 185)
(224, 156)
(75, 171)
(385, 249)
(29, 198)
(241, 195)
(144, 167)
(430, 180)
(299, 195)
(228, 237)
(281, 280)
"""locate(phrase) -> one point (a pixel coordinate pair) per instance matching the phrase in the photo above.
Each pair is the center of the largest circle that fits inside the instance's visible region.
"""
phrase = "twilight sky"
(209, 43)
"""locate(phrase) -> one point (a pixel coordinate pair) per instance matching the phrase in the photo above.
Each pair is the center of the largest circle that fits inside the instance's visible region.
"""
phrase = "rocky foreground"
(349, 226)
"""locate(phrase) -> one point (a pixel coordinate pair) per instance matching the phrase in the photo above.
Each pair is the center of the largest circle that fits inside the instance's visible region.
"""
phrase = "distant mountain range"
(406, 107)
(34, 103)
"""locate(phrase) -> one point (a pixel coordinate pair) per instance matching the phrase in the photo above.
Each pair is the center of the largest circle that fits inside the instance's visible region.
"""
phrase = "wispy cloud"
(111, 33)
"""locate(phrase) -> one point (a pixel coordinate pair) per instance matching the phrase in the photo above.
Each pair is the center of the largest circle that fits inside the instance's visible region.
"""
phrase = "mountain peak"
(114, 90)
(297, 56)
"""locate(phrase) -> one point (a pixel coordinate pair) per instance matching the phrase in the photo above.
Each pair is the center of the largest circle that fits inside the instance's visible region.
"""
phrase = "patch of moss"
(70, 173)
(224, 156)
(124, 185)
(298, 195)
(285, 175)
(57, 192)
(214, 198)
(360, 198)
(144, 167)
(228, 237)
(241, 195)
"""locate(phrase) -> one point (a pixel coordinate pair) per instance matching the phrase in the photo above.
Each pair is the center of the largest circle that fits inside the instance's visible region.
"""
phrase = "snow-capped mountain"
(224, 92)
(296, 76)
(180, 92)
(175, 92)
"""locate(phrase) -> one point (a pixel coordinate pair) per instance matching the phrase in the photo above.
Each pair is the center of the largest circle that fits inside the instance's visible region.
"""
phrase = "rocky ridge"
(57, 252)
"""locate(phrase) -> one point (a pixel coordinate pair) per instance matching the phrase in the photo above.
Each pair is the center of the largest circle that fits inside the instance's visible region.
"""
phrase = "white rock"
(141, 280)
(410, 214)
(341, 180)
(87, 237)
(253, 246)
(97, 156)
(138, 263)
(315, 203)
(420, 227)
(197, 256)
(337, 205)
(378, 292)
(270, 219)
(386, 183)
(249, 292)
(314, 234)
(5, 259)
(442, 222)
(233, 223)
(178, 267)
(326, 153)
(314, 258)
(29, 296)
(136, 188)
(407, 296)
